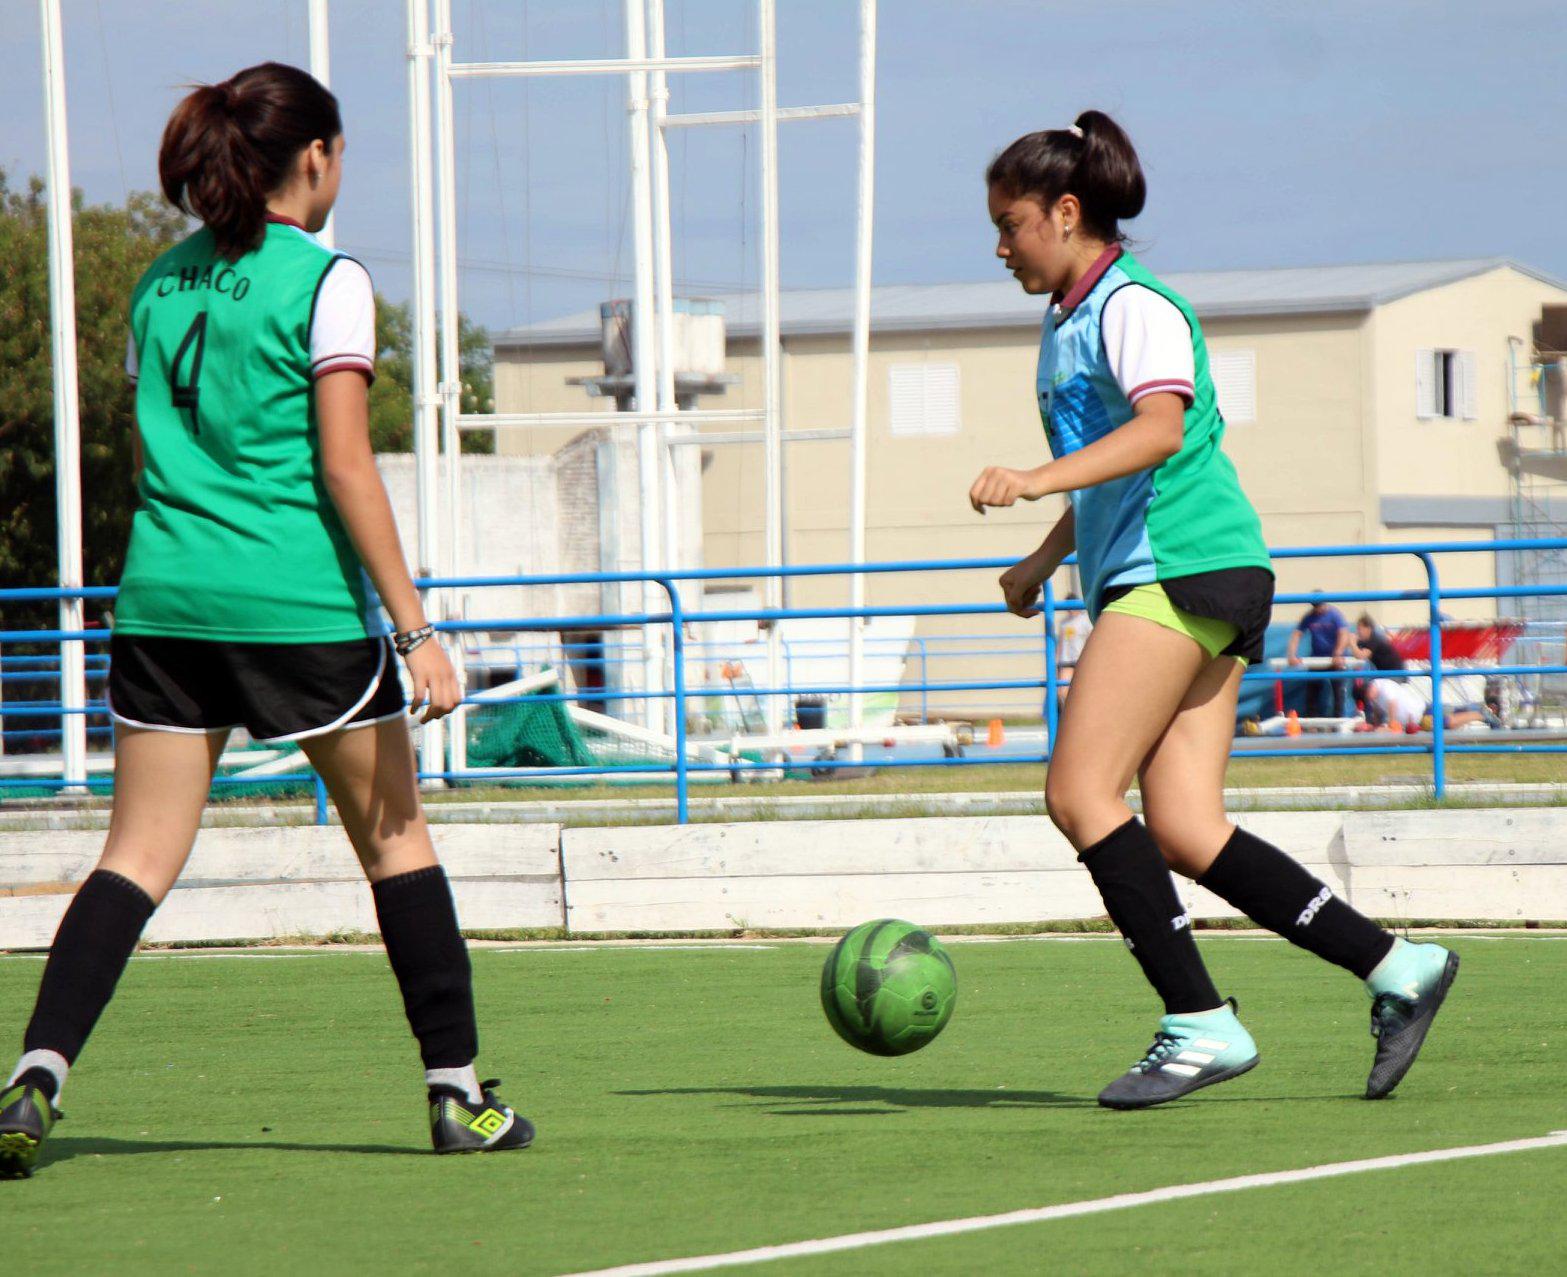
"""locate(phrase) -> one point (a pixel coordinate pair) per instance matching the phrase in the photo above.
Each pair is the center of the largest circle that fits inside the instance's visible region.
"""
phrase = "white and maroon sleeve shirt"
(1148, 344)
(342, 330)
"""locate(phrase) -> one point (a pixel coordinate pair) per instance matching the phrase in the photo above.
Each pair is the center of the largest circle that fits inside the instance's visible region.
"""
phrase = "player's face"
(1030, 242)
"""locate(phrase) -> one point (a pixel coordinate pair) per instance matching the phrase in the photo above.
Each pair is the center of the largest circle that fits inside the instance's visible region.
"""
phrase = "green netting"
(541, 732)
(525, 734)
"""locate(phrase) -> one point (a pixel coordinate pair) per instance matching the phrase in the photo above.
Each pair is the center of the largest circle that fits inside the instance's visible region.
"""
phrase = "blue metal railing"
(678, 618)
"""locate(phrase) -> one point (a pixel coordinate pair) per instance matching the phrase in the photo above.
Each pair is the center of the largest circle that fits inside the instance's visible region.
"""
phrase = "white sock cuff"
(463, 1079)
(51, 1062)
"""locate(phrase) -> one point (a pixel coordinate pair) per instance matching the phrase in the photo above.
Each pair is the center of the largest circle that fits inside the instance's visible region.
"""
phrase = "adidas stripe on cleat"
(1188, 1053)
(26, 1118)
(459, 1126)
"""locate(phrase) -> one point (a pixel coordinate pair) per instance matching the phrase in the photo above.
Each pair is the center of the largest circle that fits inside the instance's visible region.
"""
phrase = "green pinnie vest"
(236, 538)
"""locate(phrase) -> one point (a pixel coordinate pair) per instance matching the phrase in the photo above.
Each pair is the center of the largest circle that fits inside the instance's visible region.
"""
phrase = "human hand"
(436, 686)
(1000, 486)
(1020, 586)
(1295, 660)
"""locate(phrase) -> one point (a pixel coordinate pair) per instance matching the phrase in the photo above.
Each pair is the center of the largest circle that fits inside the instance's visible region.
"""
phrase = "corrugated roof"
(998, 303)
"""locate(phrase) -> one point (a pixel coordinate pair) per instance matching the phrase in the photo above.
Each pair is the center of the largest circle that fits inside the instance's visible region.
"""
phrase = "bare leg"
(161, 782)
(1182, 778)
(1129, 683)
(371, 775)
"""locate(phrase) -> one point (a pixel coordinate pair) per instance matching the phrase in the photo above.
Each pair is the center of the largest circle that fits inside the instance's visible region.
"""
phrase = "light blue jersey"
(1184, 516)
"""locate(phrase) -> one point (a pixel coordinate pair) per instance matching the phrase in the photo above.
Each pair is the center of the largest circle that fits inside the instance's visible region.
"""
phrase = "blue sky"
(1272, 134)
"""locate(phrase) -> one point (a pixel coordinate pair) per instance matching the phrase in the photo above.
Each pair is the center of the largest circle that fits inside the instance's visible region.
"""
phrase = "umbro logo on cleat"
(488, 1123)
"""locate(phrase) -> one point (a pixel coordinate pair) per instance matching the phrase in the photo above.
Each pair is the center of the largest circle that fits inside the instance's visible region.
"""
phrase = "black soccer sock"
(96, 938)
(1270, 888)
(430, 960)
(1138, 893)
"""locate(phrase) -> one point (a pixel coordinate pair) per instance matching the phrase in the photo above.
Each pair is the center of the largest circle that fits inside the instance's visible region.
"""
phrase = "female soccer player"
(244, 600)
(1176, 577)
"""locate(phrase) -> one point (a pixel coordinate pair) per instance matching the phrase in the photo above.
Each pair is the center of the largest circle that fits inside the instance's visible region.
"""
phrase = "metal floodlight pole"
(321, 68)
(450, 361)
(642, 347)
(864, 207)
(422, 316)
(67, 411)
(604, 66)
(586, 420)
(663, 288)
(773, 549)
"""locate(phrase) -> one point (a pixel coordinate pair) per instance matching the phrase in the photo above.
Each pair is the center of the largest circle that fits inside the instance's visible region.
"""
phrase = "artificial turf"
(252, 1114)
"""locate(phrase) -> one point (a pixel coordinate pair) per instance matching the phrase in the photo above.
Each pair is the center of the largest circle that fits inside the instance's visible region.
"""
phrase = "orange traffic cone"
(997, 734)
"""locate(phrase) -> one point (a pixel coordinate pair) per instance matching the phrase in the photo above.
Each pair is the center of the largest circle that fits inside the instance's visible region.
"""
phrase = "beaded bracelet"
(407, 641)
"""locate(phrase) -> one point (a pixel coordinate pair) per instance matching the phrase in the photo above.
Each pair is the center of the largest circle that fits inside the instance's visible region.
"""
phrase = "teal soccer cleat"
(1189, 1052)
(1407, 989)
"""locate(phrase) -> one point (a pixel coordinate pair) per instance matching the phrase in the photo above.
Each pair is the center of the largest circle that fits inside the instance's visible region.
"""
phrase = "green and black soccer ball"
(888, 987)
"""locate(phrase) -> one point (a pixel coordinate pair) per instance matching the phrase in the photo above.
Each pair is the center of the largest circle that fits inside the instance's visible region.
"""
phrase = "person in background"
(1071, 635)
(1373, 646)
(1329, 636)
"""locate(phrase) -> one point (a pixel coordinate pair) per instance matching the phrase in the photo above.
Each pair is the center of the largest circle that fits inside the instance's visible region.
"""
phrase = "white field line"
(1069, 1210)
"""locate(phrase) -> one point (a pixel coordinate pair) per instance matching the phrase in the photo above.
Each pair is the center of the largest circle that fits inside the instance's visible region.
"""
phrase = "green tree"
(391, 397)
(113, 247)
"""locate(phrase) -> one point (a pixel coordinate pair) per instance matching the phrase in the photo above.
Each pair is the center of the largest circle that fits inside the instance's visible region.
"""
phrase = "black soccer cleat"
(26, 1117)
(1401, 1017)
(457, 1126)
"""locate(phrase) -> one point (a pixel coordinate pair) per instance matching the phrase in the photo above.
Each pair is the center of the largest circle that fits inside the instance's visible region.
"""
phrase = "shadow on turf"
(64, 1147)
(895, 1097)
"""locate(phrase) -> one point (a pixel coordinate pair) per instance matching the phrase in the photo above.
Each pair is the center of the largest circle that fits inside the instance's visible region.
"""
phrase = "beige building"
(1365, 405)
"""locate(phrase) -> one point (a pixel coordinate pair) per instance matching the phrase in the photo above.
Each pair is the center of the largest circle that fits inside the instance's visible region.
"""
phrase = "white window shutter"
(1425, 384)
(1234, 376)
(906, 389)
(1468, 391)
(924, 399)
(941, 399)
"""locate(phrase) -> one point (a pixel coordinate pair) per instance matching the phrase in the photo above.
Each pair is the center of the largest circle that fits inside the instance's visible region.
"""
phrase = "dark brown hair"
(228, 146)
(1100, 168)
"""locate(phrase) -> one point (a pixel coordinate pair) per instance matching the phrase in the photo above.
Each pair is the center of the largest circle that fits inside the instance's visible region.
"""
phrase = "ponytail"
(1093, 160)
(229, 146)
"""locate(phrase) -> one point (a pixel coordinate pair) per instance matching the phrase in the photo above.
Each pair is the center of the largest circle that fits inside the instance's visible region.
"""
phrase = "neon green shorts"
(1152, 604)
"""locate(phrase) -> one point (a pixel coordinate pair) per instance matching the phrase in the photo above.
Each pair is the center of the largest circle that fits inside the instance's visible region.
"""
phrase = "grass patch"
(267, 1115)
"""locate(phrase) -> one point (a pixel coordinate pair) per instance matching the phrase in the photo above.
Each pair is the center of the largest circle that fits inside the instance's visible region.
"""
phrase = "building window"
(924, 399)
(1445, 385)
(1234, 374)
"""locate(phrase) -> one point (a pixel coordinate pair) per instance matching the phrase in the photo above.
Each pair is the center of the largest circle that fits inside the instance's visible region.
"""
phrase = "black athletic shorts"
(1241, 596)
(276, 691)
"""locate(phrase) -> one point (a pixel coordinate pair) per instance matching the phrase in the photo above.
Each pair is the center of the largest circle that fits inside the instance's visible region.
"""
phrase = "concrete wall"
(261, 884)
(1503, 865)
